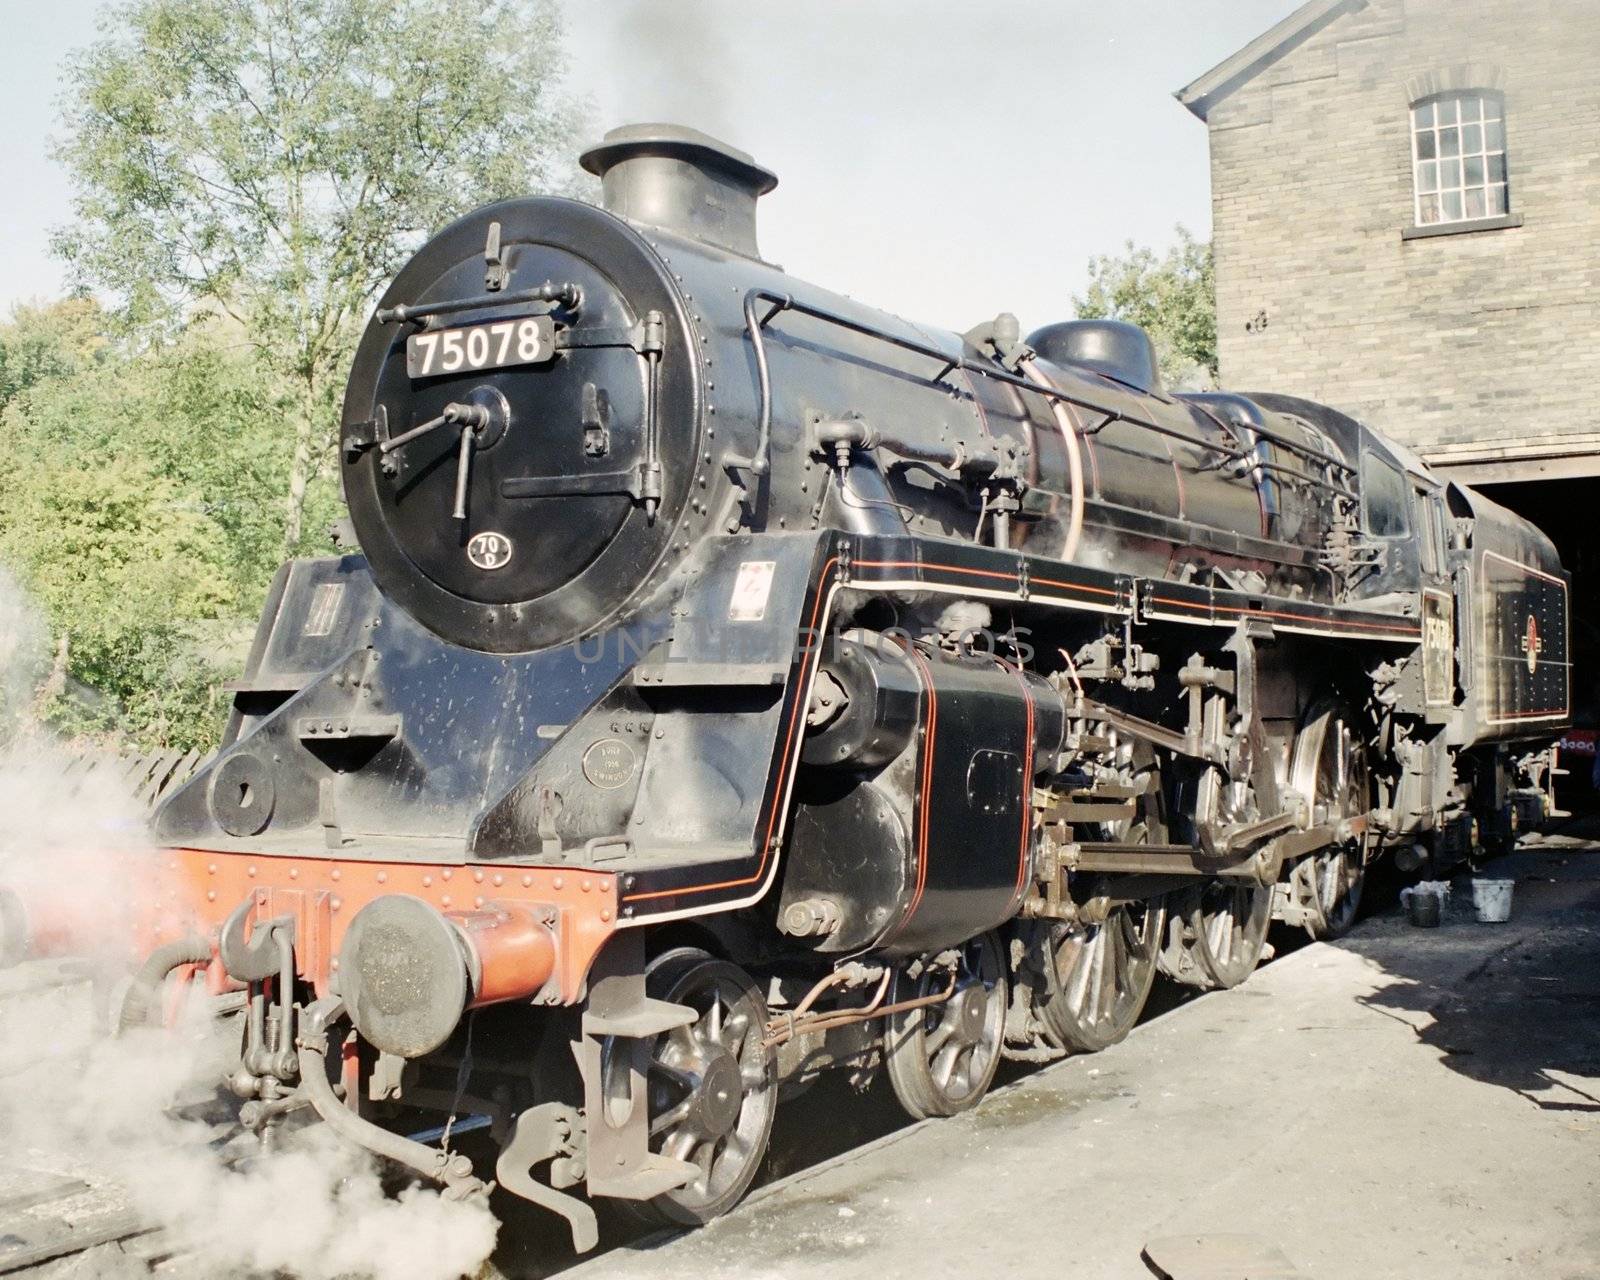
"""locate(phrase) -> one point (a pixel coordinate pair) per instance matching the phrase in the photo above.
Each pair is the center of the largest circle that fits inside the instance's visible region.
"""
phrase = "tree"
(131, 516)
(119, 564)
(276, 160)
(48, 340)
(1173, 298)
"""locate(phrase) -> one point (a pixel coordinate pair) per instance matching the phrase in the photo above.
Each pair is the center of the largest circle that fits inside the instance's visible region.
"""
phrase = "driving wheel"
(1098, 975)
(1330, 768)
(1217, 932)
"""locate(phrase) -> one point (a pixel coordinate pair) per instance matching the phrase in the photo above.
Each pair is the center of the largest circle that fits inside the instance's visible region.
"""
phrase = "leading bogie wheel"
(712, 1085)
(942, 1054)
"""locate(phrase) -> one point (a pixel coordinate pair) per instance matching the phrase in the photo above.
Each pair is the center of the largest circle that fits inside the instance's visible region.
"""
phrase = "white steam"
(674, 62)
(121, 1116)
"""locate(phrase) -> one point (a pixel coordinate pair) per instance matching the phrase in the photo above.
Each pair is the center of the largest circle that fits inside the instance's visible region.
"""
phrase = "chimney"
(682, 180)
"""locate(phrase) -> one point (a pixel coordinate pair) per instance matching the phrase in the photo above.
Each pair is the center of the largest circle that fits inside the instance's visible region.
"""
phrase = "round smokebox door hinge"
(243, 794)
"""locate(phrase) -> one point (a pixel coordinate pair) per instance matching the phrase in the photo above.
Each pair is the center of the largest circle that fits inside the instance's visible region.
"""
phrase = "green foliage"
(1172, 297)
(277, 160)
(49, 340)
(115, 560)
(198, 412)
(133, 514)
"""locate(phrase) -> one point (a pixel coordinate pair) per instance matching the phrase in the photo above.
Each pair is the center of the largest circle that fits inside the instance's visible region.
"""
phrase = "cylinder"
(875, 695)
(408, 971)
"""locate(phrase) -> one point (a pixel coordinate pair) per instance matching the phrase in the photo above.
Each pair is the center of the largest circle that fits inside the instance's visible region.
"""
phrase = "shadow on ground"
(1516, 1005)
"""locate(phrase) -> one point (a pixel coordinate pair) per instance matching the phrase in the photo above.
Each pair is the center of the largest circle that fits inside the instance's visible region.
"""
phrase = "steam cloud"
(133, 1117)
(674, 62)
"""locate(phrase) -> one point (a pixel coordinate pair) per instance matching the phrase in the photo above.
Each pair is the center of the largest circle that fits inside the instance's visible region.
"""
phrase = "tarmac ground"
(1402, 1103)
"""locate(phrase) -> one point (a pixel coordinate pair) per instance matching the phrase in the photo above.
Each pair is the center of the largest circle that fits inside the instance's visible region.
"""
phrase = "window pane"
(1497, 201)
(1386, 499)
(1449, 142)
(1495, 135)
(1449, 173)
(1452, 206)
(1471, 109)
(1497, 168)
(1423, 114)
(1471, 138)
(1427, 145)
(1427, 176)
(1428, 210)
(1447, 111)
(1474, 171)
(1475, 203)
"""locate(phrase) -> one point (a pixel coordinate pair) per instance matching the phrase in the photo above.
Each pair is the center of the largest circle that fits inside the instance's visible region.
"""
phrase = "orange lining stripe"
(783, 769)
(1072, 586)
(982, 573)
(945, 568)
(795, 717)
(925, 796)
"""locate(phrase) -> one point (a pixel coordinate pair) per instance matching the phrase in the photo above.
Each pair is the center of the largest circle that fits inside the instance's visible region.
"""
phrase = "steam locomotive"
(738, 682)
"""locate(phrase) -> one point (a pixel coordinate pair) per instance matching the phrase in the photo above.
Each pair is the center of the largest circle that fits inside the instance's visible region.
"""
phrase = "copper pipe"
(822, 984)
(810, 997)
(846, 1017)
(1074, 448)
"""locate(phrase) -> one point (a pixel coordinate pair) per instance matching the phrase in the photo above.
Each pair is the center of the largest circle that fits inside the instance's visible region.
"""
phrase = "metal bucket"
(1491, 899)
(1424, 904)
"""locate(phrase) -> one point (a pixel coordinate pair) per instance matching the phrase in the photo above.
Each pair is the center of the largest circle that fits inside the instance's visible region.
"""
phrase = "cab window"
(1385, 496)
(1432, 516)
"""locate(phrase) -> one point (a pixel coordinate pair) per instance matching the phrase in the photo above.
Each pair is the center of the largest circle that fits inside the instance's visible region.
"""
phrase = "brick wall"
(1484, 344)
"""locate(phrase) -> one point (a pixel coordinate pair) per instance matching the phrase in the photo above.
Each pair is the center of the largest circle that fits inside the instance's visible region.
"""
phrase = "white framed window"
(1458, 157)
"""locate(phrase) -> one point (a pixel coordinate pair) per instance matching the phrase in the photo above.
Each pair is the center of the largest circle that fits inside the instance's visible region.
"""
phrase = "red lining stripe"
(925, 791)
(795, 716)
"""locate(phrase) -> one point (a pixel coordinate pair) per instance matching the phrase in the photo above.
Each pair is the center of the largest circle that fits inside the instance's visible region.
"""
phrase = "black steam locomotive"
(737, 681)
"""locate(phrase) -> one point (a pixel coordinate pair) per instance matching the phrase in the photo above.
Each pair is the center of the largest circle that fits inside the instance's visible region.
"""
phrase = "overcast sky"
(945, 160)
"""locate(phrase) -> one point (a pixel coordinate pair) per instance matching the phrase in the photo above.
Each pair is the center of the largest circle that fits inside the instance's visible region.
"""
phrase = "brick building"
(1406, 214)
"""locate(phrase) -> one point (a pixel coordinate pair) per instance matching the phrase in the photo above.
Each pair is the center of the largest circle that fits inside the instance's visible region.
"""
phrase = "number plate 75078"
(495, 345)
